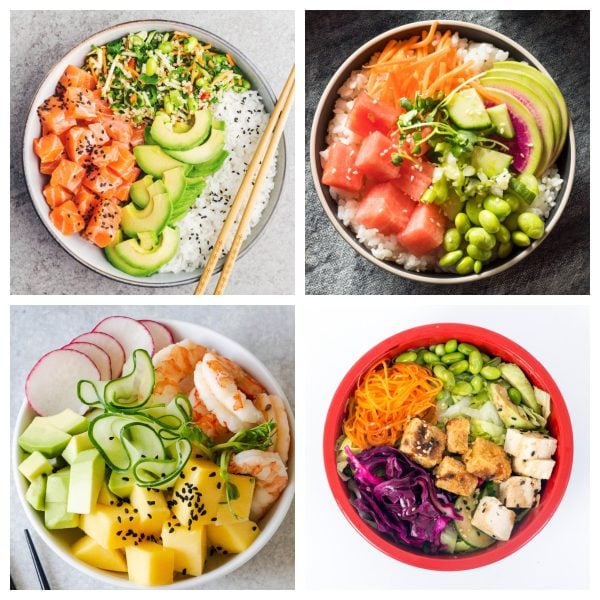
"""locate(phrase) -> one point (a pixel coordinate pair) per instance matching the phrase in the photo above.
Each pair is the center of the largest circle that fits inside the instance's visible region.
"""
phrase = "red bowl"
(559, 425)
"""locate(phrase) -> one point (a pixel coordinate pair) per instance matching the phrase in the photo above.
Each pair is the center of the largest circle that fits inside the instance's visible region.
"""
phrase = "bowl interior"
(60, 540)
(559, 425)
(86, 253)
(565, 162)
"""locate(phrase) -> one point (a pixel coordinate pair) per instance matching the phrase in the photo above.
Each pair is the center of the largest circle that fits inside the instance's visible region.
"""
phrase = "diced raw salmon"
(123, 165)
(66, 218)
(104, 155)
(68, 174)
(80, 103)
(56, 120)
(102, 181)
(48, 147)
(101, 104)
(55, 195)
(132, 175)
(137, 137)
(47, 168)
(86, 202)
(80, 143)
(117, 128)
(103, 225)
(76, 77)
(122, 192)
(99, 133)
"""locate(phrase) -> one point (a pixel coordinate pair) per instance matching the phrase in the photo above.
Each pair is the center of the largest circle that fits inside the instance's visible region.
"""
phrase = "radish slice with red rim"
(161, 335)
(110, 345)
(131, 334)
(99, 357)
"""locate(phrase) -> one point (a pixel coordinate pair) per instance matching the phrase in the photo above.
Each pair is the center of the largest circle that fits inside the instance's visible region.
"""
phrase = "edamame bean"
(431, 358)
(477, 267)
(406, 357)
(165, 47)
(452, 357)
(481, 238)
(420, 360)
(459, 367)
(462, 223)
(452, 240)
(481, 398)
(520, 239)
(151, 66)
(473, 207)
(504, 249)
(444, 376)
(439, 350)
(450, 258)
(477, 253)
(477, 383)
(475, 362)
(465, 266)
(503, 235)
(513, 201)
(531, 225)
(511, 222)
(465, 348)
(462, 388)
(451, 346)
(490, 373)
(489, 221)
(515, 395)
(498, 206)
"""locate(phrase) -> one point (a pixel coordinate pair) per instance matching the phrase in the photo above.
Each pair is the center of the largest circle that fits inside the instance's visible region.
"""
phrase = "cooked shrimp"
(220, 393)
(207, 420)
(174, 369)
(271, 477)
(273, 409)
(242, 378)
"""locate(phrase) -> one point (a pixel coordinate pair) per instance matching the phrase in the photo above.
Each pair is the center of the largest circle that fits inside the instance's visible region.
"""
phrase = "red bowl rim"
(559, 424)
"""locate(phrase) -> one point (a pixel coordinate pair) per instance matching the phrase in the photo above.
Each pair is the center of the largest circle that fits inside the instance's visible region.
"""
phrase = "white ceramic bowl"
(60, 540)
(86, 253)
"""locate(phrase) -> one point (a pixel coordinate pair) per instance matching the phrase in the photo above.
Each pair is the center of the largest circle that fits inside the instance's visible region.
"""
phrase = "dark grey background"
(560, 40)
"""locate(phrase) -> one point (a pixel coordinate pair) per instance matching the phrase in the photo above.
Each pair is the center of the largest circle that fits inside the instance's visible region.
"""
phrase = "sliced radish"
(110, 345)
(99, 357)
(161, 335)
(131, 334)
(51, 385)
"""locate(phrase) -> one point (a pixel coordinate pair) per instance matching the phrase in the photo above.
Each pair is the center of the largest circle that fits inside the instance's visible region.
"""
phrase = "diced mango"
(240, 507)
(149, 563)
(234, 538)
(152, 509)
(105, 496)
(189, 546)
(92, 553)
(111, 526)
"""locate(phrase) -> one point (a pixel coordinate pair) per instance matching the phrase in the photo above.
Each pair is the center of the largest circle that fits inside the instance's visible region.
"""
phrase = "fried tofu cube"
(519, 492)
(538, 468)
(457, 431)
(487, 460)
(423, 443)
(452, 476)
(493, 518)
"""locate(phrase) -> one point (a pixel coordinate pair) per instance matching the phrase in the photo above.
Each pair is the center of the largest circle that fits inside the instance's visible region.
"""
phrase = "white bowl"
(87, 254)
(60, 540)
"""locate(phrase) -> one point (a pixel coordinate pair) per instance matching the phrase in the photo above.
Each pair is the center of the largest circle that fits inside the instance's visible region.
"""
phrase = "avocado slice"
(209, 167)
(158, 187)
(148, 136)
(203, 153)
(515, 376)
(116, 261)
(166, 136)
(44, 438)
(153, 160)
(149, 261)
(138, 192)
(510, 414)
(174, 182)
(154, 217)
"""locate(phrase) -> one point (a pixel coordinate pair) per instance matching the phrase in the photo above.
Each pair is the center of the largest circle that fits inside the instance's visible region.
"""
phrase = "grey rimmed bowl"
(86, 253)
(324, 113)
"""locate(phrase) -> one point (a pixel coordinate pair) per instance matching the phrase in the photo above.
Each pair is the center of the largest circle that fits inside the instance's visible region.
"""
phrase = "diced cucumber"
(467, 533)
(448, 537)
(525, 186)
(491, 162)
(500, 118)
(467, 110)
(462, 546)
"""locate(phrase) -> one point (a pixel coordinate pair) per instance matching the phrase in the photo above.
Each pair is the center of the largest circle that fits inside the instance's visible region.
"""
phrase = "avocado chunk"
(34, 465)
(77, 444)
(117, 262)
(44, 438)
(121, 484)
(87, 474)
(153, 160)
(167, 137)
(138, 192)
(515, 376)
(174, 182)
(510, 414)
(57, 486)
(36, 493)
(501, 120)
(154, 217)
(205, 152)
(149, 261)
(68, 421)
(56, 516)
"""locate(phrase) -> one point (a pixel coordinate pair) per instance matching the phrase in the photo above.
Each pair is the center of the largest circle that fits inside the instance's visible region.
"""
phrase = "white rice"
(483, 56)
(245, 118)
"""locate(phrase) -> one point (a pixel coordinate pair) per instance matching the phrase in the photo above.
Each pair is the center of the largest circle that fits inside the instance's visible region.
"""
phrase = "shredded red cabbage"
(398, 498)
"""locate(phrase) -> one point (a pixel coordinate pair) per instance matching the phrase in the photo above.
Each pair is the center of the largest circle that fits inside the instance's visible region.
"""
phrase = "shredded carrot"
(386, 399)
(436, 85)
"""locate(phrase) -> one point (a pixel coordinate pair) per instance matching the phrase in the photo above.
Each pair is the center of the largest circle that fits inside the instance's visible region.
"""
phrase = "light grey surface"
(265, 37)
(266, 331)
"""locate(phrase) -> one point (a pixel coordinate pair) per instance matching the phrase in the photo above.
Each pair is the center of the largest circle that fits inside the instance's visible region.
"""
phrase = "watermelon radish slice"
(51, 385)
(161, 335)
(110, 345)
(131, 334)
(98, 356)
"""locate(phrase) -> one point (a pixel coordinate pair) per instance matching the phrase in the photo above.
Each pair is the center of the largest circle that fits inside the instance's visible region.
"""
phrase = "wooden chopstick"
(37, 563)
(266, 140)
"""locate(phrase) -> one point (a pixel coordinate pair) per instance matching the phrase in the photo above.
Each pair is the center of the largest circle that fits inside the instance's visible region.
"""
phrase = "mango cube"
(149, 563)
(240, 507)
(189, 546)
(234, 538)
(152, 509)
(106, 497)
(111, 526)
(92, 553)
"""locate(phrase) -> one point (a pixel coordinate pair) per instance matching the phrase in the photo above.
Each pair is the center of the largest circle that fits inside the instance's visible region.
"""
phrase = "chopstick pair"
(257, 170)
(37, 563)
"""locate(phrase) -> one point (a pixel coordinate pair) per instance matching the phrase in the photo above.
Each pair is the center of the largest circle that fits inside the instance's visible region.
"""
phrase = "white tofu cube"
(519, 492)
(538, 468)
(512, 441)
(493, 518)
(536, 445)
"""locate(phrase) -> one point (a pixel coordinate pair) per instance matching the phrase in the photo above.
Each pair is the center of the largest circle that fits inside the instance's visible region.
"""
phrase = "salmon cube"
(76, 77)
(66, 218)
(102, 156)
(80, 103)
(79, 142)
(68, 174)
(132, 175)
(99, 133)
(122, 192)
(137, 137)
(117, 128)
(123, 165)
(48, 147)
(47, 168)
(56, 195)
(102, 181)
(86, 202)
(56, 120)
(103, 226)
